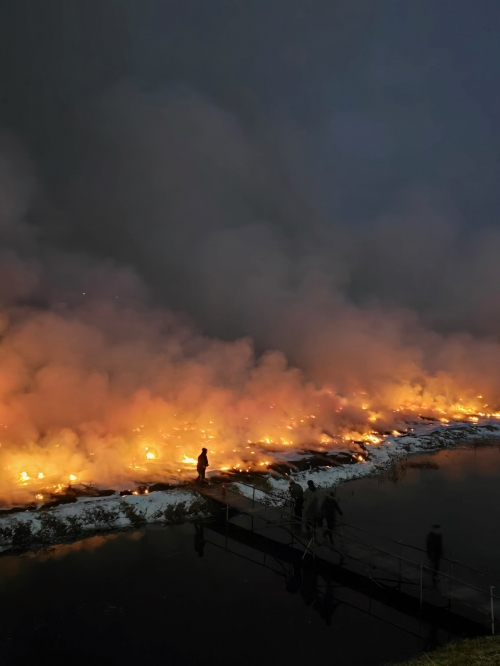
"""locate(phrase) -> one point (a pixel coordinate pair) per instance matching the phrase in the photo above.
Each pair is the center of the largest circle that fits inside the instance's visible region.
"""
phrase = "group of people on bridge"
(314, 508)
(311, 506)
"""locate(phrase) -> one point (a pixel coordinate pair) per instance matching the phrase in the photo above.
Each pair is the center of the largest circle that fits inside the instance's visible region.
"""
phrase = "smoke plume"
(192, 279)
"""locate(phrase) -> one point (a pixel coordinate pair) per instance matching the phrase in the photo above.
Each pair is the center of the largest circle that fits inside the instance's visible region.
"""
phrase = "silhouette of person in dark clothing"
(199, 539)
(435, 550)
(432, 640)
(298, 499)
(329, 511)
(202, 465)
(311, 506)
(327, 604)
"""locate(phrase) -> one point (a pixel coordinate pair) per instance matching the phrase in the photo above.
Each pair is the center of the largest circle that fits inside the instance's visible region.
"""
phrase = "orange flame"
(131, 415)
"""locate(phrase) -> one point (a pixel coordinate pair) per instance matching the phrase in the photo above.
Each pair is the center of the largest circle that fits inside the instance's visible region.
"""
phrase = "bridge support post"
(253, 505)
(492, 606)
(450, 583)
(400, 567)
(421, 586)
(227, 519)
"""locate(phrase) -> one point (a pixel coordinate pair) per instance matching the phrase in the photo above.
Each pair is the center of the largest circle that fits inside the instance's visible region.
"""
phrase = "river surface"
(148, 596)
(462, 495)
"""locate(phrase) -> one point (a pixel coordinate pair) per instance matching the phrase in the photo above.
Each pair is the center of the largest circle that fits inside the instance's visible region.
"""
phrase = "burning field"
(82, 510)
(114, 398)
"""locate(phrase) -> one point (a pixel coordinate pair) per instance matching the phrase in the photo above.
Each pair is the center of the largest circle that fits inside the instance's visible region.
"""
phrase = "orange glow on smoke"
(75, 410)
(237, 443)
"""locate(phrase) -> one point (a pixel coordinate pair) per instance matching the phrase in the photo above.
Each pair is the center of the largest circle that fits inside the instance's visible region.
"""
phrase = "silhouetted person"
(435, 550)
(327, 604)
(329, 511)
(298, 499)
(199, 539)
(202, 465)
(311, 505)
(432, 641)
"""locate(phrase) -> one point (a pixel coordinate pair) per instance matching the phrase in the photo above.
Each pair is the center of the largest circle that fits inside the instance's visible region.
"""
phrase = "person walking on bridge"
(329, 512)
(298, 499)
(435, 550)
(311, 506)
(202, 465)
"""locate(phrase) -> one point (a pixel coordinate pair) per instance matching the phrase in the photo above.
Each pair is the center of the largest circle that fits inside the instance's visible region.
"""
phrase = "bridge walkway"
(361, 551)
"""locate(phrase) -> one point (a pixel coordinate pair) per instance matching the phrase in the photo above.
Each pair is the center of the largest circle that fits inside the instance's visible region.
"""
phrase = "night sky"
(251, 163)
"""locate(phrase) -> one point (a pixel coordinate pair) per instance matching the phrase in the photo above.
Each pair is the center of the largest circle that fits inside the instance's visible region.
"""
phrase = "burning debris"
(268, 456)
(89, 414)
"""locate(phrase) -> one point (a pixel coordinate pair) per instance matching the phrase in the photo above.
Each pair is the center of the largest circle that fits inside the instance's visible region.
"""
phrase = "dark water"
(148, 597)
(462, 495)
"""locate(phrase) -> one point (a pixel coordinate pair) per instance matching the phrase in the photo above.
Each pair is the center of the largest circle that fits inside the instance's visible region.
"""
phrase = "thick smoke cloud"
(224, 224)
(194, 276)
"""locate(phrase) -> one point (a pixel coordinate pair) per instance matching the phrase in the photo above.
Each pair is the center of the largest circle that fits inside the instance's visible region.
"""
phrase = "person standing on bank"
(202, 465)
(435, 550)
(329, 511)
(298, 499)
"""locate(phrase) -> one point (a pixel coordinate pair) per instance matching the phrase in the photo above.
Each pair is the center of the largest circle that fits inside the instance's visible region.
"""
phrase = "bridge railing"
(454, 588)
(458, 582)
(398, 546)
(420, 552)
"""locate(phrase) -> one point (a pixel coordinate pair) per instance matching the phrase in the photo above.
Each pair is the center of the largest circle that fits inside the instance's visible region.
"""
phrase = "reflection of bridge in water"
(383, 570)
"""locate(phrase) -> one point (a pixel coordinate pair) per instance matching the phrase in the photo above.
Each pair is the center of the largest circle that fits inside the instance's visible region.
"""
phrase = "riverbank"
(475, 652)
(379, 459)
(85, 516)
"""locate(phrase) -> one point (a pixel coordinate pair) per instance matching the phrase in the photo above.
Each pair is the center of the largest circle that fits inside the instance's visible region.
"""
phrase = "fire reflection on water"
(11, 565)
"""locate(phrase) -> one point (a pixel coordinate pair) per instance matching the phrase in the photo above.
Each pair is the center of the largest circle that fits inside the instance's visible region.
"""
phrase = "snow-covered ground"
(423, 438)
(96, 514)
(99, 514)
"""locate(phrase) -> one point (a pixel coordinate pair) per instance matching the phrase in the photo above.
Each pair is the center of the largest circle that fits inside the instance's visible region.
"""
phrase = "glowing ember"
(72, 477)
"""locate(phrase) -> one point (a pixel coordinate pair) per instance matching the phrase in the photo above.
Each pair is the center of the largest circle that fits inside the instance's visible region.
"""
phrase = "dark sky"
(403, 93)
(236, 153)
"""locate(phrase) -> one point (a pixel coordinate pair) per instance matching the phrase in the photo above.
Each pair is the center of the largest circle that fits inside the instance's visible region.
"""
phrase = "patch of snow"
(94, 514)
